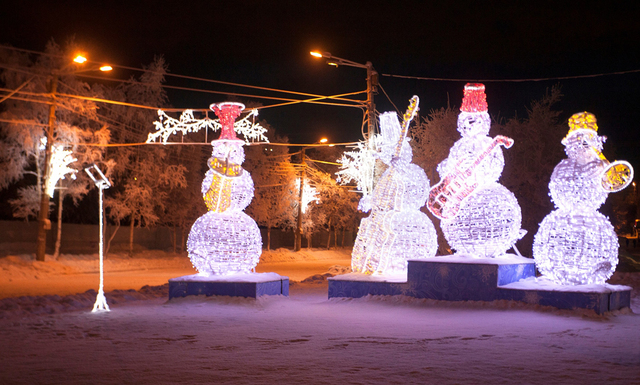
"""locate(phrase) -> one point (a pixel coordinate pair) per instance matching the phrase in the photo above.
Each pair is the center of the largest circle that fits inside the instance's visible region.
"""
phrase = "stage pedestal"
(354, 285)
(463, 278)
(251, 285)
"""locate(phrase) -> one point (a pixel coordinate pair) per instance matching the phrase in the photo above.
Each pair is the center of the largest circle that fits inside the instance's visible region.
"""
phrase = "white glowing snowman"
(576, 244)
(479, 216)
(396, 230)
(225, 240)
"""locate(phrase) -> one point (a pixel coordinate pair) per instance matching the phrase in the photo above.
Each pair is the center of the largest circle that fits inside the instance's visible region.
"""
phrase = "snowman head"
(582, 141)
(474, 123)
(474, 118)
(391, 138)
(227, 157)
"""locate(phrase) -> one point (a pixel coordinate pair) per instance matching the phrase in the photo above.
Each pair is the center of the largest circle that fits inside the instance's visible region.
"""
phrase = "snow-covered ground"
(52, 337)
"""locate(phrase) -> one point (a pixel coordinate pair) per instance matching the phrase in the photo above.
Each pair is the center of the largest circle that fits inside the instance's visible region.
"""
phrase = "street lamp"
(43, 216)
(102, 183)
(372, 86)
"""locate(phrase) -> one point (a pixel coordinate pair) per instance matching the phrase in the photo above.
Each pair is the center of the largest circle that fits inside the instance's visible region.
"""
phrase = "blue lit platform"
(354, 285)
(461, 278)
(540, 291)
(252, 285)
(464, 278)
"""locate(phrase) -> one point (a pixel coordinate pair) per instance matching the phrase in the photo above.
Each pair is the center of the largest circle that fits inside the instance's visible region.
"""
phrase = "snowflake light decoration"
(478, 216)
(225, 240)
(359, 166)
(396, 230)
(575, 244)
(309, 194)
(59, 167)
(167, 126)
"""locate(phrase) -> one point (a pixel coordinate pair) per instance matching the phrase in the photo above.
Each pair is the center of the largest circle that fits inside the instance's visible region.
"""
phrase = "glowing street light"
(372, 84)
(80, 59)
(324, 140)
(105, 68)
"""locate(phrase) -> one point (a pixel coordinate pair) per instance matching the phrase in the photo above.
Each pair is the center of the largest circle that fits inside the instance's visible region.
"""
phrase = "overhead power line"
(514, 80)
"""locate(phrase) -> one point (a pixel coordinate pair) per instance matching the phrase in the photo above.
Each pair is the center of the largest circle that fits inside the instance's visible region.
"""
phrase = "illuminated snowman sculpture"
(479, 216)
(396, 230)
(575, 244)
(225, 240)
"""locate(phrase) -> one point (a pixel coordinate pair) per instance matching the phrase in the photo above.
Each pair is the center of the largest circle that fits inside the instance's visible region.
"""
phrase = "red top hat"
(474, 100)
(227, 112)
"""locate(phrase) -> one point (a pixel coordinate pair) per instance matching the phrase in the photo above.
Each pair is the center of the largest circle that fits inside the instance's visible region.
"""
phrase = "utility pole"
(372, 89)
(44, 223)
(298, 245)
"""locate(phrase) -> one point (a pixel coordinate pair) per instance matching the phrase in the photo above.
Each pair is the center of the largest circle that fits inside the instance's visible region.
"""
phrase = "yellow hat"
(581, 121)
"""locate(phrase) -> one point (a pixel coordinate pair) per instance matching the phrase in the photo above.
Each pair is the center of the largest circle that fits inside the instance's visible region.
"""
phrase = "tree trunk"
(344, 233)
(175, 239)
(133, 221)
(329, 235)
(56, 252)
(113, 235)
(268, 238)
(309, 236)
(335, 238)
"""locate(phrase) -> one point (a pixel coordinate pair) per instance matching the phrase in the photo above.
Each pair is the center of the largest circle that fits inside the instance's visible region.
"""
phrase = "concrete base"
(356, 285)
(458, 278)
(251, 285)
(540, 291)
(462, 278)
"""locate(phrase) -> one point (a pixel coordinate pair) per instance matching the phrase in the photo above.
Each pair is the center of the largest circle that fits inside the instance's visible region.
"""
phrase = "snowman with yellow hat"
(576, 244)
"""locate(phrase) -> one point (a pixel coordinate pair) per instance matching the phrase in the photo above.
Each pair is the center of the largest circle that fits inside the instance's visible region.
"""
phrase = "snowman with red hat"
(479, 217)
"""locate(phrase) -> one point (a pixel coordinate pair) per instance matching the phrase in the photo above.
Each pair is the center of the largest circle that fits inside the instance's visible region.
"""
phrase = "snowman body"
(225, 240)
(396, 230)
(575, 244)
(487, 222)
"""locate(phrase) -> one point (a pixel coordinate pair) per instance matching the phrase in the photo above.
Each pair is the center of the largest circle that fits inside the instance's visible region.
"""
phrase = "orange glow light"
(80, 59)
(315, 54)
(106, 68)
(324, 140)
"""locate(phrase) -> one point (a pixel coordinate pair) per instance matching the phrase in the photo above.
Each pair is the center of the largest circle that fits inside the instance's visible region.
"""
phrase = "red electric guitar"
(446, 197)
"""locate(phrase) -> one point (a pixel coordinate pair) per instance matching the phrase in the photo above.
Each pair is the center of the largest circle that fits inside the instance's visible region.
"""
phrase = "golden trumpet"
(616, 176)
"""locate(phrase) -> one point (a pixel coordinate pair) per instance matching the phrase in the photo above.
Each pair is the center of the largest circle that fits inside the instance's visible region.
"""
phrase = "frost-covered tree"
(535, 153)
(26, 119)
(145, 177)
(275, 198)
(338, 205)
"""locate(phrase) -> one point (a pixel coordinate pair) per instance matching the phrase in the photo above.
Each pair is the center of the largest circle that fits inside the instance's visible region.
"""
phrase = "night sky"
(267, 43)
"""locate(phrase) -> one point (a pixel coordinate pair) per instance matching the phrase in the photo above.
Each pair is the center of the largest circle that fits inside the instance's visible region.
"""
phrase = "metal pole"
(101, 300)
(43, 215)
(299, 227)
(371, 89)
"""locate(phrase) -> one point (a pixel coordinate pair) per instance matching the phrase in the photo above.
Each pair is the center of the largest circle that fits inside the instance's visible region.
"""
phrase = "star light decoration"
(575, 244)
(479, 217)
(396, 230)
(225, 240)
(59, 167)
